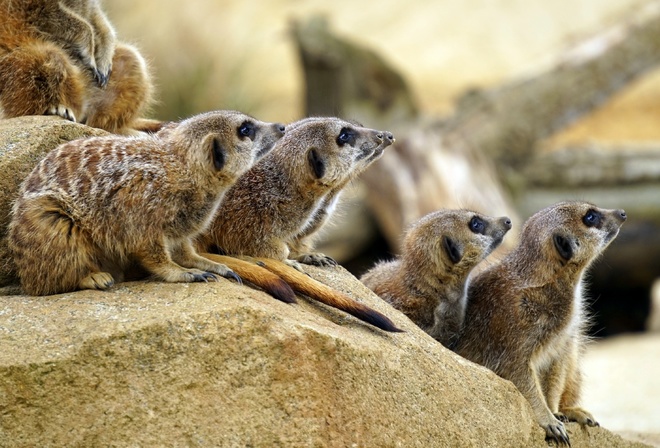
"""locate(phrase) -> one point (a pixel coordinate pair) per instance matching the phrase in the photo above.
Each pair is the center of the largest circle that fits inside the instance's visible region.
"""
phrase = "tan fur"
(93, 207)
(62, 58)
(278, 198)
(525, 316)
(428, 281)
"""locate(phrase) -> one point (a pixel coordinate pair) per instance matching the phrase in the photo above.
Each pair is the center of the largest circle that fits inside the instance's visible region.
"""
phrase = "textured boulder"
(218, 364)
(24, 141)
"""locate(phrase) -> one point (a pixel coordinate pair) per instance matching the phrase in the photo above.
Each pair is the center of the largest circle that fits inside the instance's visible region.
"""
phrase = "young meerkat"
(526, 315)
(278, 198)
(62, 58)
(93, 207)
(428, 281)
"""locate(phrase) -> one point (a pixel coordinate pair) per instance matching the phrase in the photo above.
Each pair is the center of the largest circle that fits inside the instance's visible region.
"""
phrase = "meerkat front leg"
(156, 259)
(104, 49)
(529, 385)
(184, 254)
(571, 395)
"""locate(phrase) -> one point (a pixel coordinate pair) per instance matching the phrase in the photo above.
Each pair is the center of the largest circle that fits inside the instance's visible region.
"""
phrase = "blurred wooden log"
(460, 161)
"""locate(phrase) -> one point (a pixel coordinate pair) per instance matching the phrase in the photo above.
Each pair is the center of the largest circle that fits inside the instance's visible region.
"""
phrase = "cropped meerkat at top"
(62, 58)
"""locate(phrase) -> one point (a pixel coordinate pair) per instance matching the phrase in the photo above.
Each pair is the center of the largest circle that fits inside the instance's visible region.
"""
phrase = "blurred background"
(440, 69)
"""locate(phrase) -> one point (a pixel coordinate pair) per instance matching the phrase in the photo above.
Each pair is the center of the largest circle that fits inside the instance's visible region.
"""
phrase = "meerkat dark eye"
(477, 225)
(346, 136)
(246, 130)
(592, 219)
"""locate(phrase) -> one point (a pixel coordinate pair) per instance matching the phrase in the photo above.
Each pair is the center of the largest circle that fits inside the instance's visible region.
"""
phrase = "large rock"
(218, 364)
(24, 141)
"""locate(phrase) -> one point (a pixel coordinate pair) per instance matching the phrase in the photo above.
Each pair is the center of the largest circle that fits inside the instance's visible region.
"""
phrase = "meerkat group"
(223, 194)
(62, 58)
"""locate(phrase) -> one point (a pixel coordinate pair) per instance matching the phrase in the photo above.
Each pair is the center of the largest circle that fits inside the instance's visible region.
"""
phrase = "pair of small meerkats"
(93, 210)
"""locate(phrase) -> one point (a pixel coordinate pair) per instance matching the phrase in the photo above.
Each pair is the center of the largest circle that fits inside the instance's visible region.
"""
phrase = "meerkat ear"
(563, 246)
(316, 163)
(453, 251)
(219, 154)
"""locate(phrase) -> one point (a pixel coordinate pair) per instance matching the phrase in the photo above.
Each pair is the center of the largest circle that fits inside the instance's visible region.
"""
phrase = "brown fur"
(278, 198)
(62, 58)
(94, 207)
(525, 316)
(428, 281)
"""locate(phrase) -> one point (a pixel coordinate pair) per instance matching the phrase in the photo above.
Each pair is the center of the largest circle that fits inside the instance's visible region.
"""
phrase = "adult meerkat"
(428, 281)
(525, 316)
(62, 58)
(278, 198)
(93, 207)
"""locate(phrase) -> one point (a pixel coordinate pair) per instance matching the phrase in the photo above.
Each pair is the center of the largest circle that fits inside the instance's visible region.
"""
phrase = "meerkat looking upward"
(92, 207)
(277, 199)
(427, 282)
(525, 316)
(62, 58)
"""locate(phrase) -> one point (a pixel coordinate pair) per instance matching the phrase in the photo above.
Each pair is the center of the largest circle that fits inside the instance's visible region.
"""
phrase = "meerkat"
(428, 281)
(277, 199)
(526, 315)
(62, 58)
(93, 207)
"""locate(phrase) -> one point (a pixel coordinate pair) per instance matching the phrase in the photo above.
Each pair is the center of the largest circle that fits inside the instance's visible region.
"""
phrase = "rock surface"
(218, 364)
(24, 141)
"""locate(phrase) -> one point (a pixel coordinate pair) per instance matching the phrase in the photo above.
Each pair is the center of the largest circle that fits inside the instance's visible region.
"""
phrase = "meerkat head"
(455, 240)
(572, 233)
(227, 142)
(333, 148)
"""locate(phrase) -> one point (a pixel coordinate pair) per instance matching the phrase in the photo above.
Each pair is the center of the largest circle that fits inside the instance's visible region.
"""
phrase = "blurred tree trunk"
(461, 161)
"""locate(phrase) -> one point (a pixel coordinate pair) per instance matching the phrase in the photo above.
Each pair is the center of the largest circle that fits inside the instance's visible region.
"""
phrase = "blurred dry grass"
(238, 54)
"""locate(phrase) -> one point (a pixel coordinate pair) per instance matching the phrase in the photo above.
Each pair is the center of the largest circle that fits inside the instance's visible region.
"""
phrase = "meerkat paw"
(196, 275)
(556, 431)
(317, 259)
(579, 415)
(97, 280)
(102, 76)
(62, 111)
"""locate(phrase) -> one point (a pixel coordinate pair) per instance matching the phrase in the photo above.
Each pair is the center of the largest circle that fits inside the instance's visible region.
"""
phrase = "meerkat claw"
(101, 78)
(233, 276)
(62, 111)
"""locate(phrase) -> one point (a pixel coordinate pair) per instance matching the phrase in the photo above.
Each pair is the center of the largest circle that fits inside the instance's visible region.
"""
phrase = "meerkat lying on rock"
(93, 207)
(277, 200)
(427, 282)
(526, 315)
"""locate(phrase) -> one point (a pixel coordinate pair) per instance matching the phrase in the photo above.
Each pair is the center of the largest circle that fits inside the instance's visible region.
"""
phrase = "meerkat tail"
(148, 125)
(257, 275)
(318, 291)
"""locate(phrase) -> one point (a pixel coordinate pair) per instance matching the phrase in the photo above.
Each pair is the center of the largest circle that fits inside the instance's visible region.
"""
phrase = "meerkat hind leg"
(186, 256)
(157, 260)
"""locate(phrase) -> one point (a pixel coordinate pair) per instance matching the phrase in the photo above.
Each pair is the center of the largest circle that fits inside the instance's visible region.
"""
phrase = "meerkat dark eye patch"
(453, 251)
(316, 163)
(563, 246)
(219, 154)
(477, 225)
(346, 136)
(247, 129)
(593, 218)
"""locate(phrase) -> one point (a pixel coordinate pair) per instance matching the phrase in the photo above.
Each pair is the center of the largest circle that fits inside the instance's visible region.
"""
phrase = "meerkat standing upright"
(277, 199)
(92, 207)
(525, 316)
(427, 282)
(60, 57)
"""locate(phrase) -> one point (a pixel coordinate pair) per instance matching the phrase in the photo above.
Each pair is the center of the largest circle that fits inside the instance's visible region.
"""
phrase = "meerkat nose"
(622, 214)
(280, 127)
(389, 136)
(507, 223)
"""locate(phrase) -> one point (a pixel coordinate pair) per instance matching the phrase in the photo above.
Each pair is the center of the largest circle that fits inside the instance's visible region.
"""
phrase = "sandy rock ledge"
(218, 364)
